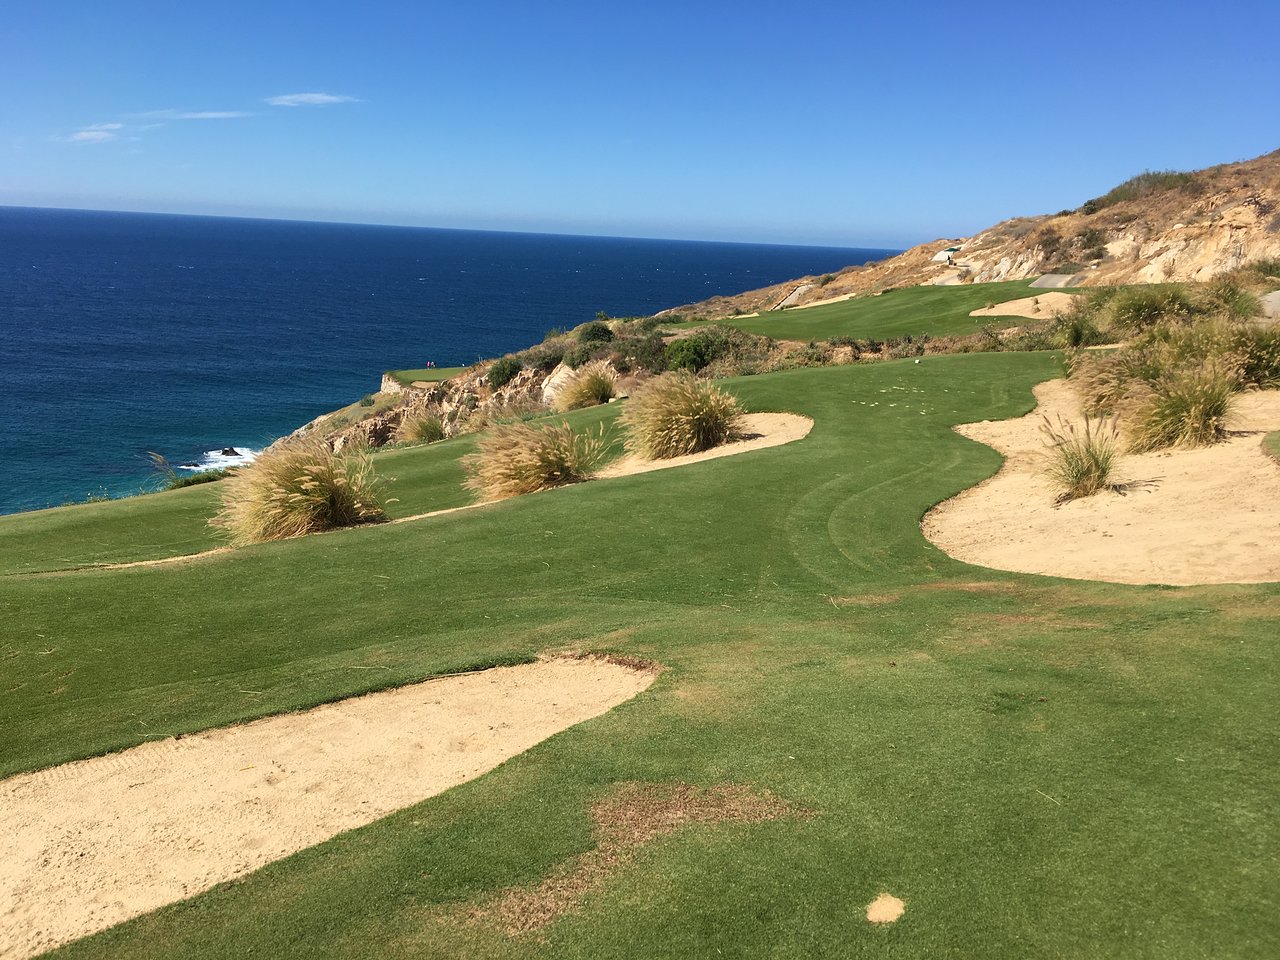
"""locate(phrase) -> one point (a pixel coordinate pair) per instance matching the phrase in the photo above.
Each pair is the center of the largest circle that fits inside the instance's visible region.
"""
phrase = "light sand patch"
(761, 430)
(1213, 516)
(90, 844)
(1040, 307)
(885, 908)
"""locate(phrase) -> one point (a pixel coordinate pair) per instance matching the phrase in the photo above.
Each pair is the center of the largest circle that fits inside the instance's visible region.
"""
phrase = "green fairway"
(1271, 444)
(1040, 768)
(425, 374)
(937, 311)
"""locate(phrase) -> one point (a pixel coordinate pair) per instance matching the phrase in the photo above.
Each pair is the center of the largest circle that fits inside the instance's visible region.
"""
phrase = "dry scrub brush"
(592, 385)
(677, 414)
(1185, 408)
(1081, 462)
(519, 458)
(300, 487)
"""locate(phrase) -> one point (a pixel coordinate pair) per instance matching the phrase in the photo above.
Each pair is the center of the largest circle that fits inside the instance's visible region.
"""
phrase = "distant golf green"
(425, 374)
(1039, 768)
(937, 311)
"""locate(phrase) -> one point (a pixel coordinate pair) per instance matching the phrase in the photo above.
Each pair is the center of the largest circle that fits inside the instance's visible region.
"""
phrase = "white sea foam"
(217, 459)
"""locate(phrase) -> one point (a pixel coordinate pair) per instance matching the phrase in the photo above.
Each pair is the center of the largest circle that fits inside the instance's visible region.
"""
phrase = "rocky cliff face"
(1154, 228)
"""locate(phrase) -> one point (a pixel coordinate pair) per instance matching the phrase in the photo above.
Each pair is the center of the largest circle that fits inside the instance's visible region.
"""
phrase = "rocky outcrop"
(1190, 227)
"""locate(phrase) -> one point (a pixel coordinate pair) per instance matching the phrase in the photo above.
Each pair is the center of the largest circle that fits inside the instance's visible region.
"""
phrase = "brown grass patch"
(632, 815)
(865, 600)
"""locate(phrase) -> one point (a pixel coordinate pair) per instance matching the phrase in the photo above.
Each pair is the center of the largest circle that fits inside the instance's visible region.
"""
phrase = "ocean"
(125, 333)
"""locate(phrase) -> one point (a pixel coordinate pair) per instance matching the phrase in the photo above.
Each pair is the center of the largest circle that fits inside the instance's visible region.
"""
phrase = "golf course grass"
(938, 311)
(1271, 444)
(1037, 767)
(424, 374)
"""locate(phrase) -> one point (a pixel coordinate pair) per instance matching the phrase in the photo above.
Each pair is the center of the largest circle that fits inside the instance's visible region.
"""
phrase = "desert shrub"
(648, 352)
(1266, 268)
(1256, 354)
(595, 332)
(1097, 253)
(520, 458)
(1091, 237)
(1081, 461)
(677, 414)
(420, 426)
(367, 400)
(1231, 300)
(1077, 326)
(544, 357)
(826, 278)
(502, 372)
(1186, 408)
(590, 386)
(1143, 185)
(1048, 240)
(581, 354)
(900, 348)
(298, 487)
(1136, 308)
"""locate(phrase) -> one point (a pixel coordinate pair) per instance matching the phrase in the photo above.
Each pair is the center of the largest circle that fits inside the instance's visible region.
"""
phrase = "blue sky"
(838, 123)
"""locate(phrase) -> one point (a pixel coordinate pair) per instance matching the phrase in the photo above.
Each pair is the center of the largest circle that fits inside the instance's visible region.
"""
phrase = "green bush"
(677, 414)
(1077, 326)
(1081, 462)
(299, 487)
(1232, 301)
(1256, 352)
(1143, 185)
(648, 352)
(519, 458)
(595, 332)
(544, 357)
(580, 354)
(502, 372)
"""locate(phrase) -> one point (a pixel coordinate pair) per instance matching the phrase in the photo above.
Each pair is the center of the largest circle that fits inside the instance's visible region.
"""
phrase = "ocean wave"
(220, 459)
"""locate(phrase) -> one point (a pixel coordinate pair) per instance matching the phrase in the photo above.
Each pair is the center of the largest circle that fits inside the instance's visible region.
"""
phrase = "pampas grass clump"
(520, 458)
(591, 385)
(677, 414)
(420, 427)
(1081, 461)
(1188, 408)
(299, 487)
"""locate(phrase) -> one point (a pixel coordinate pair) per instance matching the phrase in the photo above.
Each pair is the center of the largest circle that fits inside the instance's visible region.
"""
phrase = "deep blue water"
(124, 333)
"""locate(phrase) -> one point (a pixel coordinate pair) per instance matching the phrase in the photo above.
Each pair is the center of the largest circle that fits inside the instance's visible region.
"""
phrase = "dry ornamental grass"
(519, 458)
(592, 385)
(1081, 461)
(300, 487)
(677, 414)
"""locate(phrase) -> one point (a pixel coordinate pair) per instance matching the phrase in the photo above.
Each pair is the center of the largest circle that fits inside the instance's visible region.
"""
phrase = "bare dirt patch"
(1210, 516)
(760, 430)
(1040, 307)
(885, 908)
(92, 843)
(632, 815)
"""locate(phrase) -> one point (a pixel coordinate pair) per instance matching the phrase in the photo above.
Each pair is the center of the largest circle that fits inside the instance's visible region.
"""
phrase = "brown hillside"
(1155, 227)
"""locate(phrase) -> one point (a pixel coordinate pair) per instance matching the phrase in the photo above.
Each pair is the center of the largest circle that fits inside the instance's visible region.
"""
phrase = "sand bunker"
(885, 908)
(761, 430)
(1040, 307)
(92, 843)
(1209, 515)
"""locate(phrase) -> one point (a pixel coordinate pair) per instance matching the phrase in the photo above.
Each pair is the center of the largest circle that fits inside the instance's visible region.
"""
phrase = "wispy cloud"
(95, 133)
(308, 100)
(190, 115)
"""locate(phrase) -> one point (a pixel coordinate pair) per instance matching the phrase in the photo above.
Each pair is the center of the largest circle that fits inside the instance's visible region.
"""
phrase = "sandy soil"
(90, 844)
(762, 430)
(1048, 305)
(1209, 515)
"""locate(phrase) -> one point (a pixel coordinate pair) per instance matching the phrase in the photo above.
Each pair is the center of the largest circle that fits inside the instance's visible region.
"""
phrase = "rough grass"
(591, 386)
(1039, 768)
(1271, 445)
(297, 488)
(518, 458)
(678, 414)
(1082, 461)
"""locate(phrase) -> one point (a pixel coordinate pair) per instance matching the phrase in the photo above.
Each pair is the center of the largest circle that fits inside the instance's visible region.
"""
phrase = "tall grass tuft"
(300, 487)
(420, 426)
(518, 458)
(1185, 408)
(592, 385)
(677, 414)
(1135, 309)
(1081, 462)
